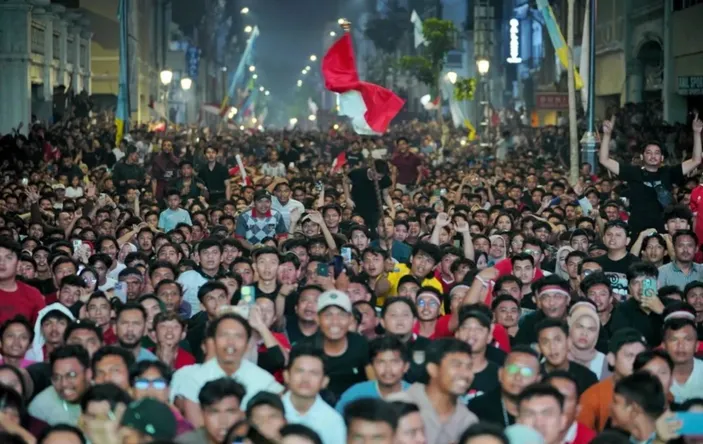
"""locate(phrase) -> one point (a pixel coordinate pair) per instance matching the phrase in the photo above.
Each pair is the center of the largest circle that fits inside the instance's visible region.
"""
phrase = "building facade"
(42, 46)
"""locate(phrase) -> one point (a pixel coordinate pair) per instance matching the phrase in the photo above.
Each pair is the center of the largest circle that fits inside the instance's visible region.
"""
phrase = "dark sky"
(291, 30)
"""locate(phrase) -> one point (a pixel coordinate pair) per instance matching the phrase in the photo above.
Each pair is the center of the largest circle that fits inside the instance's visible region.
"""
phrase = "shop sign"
(691, 85)
(552, 101)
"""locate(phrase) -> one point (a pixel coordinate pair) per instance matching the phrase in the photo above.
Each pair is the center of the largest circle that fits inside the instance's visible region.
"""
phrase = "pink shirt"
(23, 364)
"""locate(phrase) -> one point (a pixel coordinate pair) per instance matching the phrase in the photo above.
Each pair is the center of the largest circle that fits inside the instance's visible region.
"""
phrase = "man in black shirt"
(475, 329)
(553, 344)
(363, 188)
(215, 176)
(499, 407)
(552, 297)
(643, 313)
(303, 323)
(650, 185)
(398, 316)
(618, 259)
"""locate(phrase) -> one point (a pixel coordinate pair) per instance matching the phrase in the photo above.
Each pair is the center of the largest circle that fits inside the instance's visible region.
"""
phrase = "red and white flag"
(240, 170)
(370, 107)
(339, 162)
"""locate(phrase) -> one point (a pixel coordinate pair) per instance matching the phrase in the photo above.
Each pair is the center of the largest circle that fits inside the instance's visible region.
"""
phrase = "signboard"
(691, 85)
(553, 101)
(514, 42)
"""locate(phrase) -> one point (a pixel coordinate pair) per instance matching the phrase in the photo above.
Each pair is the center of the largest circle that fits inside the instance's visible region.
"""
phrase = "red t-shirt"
(25, 300)
(183, 358)
(441, 330)
(584, 435)
(109, 337)
(505, 267)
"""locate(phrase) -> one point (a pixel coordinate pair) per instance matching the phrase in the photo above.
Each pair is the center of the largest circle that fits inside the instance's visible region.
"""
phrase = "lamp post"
(166, 77)
(245, 11)
(313, 58)
(452, 76)
(483, 65)
(588, 141)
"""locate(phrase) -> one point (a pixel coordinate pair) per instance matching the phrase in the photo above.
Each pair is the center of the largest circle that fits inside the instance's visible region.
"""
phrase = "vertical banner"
(123, 105)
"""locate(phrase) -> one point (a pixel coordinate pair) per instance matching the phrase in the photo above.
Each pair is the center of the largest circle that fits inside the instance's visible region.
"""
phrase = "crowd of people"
(197, 286)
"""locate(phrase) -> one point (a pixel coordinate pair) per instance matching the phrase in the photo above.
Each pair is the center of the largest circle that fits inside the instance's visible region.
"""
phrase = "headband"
(553, 289)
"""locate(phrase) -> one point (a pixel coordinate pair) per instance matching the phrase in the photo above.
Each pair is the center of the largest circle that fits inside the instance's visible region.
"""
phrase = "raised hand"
(443, 220)
(697, 124)
(461, 226)
(316, 217)
(608, 126)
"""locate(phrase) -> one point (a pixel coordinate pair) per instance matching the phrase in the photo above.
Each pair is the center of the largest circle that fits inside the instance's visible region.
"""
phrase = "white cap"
(334, 298)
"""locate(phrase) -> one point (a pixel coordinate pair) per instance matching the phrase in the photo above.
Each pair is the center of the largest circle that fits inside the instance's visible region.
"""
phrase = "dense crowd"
(200, 286)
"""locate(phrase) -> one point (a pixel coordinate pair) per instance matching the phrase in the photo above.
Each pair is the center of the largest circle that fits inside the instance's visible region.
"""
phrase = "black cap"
(624, 336)
(261, 194)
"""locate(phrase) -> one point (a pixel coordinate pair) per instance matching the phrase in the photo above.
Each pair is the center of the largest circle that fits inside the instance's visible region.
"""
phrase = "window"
(683, 4)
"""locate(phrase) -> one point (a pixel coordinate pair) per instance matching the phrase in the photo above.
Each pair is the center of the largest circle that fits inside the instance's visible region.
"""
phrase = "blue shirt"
(366, 389)
(168, 219)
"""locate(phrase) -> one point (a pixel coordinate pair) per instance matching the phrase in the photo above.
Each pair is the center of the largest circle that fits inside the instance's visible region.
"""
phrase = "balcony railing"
(37, 38)
(609, 35)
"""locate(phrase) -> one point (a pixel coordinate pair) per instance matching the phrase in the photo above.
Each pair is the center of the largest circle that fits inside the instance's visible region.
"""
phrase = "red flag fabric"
(339, 162)
(371, 107)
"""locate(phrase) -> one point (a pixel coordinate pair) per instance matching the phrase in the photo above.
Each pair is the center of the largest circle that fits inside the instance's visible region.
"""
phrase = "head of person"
(61, 434)
(637, 274)
(266, 412)
(53, 325)
(111, 364)
(616, 236)
(552, 296)
(483, 433)
(229, 336)
(266, 262)
(10, 252)
(652, 155)
(150, 379)
(693, 295)
(210, 253)
(13, 408)
(448, 364)
(429, 303)
(638, 399)
(173, 199)
(680, 337)
(305, 375)
(424, 257)
(624, 345)
(99, 403)
(411, 428)
(506, 311)
(521, 368)
(598, 289)
(170, 293)
(334, 314)
(370, 420)
(475, 327)
(212, 296)
(552, 341)
(584, 326)
(70, 372)
(130, 325)
(567, 385)
(262, 201)
(658, 363)
(16, 335)
(390, 359)
(148, 420)
(685, 245)
(221, 406)
(541, 406)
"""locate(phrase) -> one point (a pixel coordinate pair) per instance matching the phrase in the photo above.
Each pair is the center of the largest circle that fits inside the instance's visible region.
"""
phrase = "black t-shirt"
(617, 272)
(629, 314)
(489, 408)
(347, 369)
(214, 179)
(354, 159)
(527, 335)
(417, 372)
(584, 376)
(485, 381)
(363, 194)
(293, 331)
(646, 211)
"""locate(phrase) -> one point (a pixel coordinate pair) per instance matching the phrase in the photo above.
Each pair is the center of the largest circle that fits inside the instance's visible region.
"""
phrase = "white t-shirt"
(693, 388)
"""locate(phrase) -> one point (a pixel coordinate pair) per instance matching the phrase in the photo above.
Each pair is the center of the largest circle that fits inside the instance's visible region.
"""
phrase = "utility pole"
(588, 142)
(573, 128)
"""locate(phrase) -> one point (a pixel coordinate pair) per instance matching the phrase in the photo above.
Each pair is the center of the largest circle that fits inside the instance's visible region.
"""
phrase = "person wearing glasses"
(499, 406)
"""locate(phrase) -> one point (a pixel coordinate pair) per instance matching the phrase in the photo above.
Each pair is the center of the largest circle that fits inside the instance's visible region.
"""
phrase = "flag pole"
(588, 142)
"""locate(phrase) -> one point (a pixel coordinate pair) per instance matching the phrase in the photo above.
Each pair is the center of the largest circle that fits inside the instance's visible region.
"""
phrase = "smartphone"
(338, 264)
(121, 291)
(248, 294)
(323, 269)
(77, 245)
(24, 182)
(346, 254)
(692, 423)
(555, 201)
(649, 288)
(586, 206)
(319, 186)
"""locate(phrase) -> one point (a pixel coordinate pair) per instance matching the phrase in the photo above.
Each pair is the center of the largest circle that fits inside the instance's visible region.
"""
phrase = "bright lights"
(261, 88)
(245, 10)
(261, 128)
(186, 83)
(253, 120)
(252, 68)
(255, 76)
(307, 68)
(452, 76)
(293, 121)
(313, 58)
(333, 34)
(483, 66)
(300, 83)
(305, 71)
(462, 142)
(267, 93)
(224, 69)
(312, 117)
(341, 21)
(232, 112)
(425, 99)
(248, 29)
(514, 42)
(241, 128)
(335, 127)
(166, 76)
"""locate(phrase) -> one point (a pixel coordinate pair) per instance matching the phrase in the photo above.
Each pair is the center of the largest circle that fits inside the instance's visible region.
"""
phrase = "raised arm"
(692, 163)
(611, 165)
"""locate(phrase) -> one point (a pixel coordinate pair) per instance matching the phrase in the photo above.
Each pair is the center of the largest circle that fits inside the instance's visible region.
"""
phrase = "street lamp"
(341, 21)
(293, 121)
(267, 93)
(307, 68)
(452, 76)
(232, 112)
(335, 127)
(252, 68)
(313, 58)
(312, 117)
(300, 83)
(245, 10)
(166, 76)
(241, 128)
(333, 34)
(186, 83)
(261, 88)
(248, 29)
(483, 66)
(255, 76)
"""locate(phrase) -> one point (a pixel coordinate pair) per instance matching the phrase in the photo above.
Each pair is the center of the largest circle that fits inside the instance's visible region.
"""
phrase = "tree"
(386, 33)
(464, 89)
(427, 67)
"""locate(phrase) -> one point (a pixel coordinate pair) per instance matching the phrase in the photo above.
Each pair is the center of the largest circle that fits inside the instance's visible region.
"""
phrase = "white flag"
(417, 24)
(584, 63)
(312, 106)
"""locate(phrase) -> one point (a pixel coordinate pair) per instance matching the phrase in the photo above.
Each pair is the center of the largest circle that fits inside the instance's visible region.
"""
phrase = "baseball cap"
(623, 337)
(150, 417)
(334, 298)
(262, 194)
(597, 246)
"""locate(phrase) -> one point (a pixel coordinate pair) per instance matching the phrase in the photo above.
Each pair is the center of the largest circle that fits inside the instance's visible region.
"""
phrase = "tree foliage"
(428, 66)
(464, 89)
(420, 68)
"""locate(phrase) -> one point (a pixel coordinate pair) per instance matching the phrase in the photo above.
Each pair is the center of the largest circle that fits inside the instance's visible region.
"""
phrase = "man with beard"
(398, 317)
(389, 361)
(680, 341)
(450, 376)
(347, 353)
(70, 378)
(164, 169)
(500, 407)
(681, 271)
(216, 177)
(131, 327)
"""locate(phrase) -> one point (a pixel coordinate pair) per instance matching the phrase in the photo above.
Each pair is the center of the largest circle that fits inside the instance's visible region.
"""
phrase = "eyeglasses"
(423, 303)
(144, 384)
(514, 369)
(70, 376)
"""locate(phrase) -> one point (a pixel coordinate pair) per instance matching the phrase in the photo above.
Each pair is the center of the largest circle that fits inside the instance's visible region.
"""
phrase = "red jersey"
(109, 337)
(696, 205)
(183, 358)
(25, 300)
(584, 435)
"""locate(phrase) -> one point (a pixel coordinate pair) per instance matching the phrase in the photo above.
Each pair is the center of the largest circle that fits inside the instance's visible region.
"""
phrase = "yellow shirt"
(397, 274)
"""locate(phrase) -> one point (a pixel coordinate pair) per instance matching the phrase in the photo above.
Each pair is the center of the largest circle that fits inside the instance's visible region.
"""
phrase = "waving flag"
(417, 28)
(370, 107)
(122, 113)
(557, 39)
(339, 162)
(239, 73)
